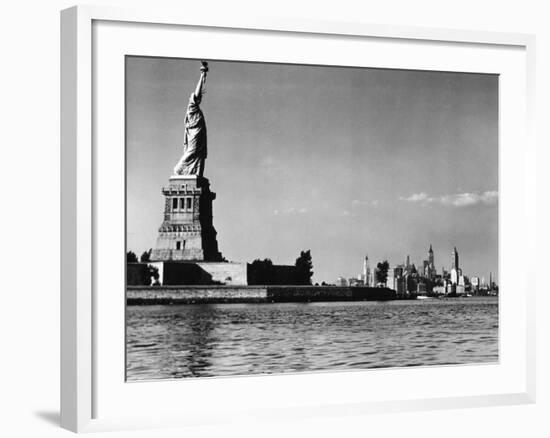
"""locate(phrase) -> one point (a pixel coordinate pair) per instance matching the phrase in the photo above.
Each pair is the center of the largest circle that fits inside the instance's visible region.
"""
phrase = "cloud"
(271, 167)
(417, 197)
(458, 200)
(467, 199)
(358, 203)
(290, 210)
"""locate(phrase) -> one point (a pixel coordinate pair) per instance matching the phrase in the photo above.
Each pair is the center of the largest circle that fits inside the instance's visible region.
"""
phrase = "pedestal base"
(187, 232)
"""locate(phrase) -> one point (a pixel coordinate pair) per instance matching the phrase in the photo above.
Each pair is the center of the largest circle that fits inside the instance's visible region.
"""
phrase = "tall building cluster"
(407, 278)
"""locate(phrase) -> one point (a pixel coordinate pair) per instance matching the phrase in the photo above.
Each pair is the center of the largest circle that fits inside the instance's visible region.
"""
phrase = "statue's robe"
(194, 141)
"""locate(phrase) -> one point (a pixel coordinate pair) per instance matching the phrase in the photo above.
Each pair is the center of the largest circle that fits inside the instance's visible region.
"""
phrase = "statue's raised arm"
(194, 139)
(200, 90)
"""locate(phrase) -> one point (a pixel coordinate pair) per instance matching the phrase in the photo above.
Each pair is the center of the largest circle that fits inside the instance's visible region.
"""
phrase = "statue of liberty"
(194, 140)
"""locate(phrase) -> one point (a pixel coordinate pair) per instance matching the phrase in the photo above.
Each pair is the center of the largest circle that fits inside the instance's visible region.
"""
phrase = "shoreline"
(154, 295)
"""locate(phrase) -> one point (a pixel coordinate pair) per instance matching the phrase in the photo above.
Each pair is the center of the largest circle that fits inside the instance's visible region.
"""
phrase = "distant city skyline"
(343, 161)
(418, 264)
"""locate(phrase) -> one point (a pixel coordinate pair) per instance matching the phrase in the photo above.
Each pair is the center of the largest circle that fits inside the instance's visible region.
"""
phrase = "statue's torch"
(204, 70)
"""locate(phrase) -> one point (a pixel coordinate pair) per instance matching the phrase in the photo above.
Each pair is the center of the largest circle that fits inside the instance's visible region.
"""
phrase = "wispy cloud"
(271, 167)
(290, 210)
(358, 203)
(466, 199)
(417, 197)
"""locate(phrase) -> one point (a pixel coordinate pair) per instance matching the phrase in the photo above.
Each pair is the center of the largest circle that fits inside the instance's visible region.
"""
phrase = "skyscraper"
(456, 272)
(431, 271)
(366, 272)
(455, 259)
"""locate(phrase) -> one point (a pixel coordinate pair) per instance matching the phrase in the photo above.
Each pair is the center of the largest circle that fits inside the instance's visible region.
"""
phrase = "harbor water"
(206, 340)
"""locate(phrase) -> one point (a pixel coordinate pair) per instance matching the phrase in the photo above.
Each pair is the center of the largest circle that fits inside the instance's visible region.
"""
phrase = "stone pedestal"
(187, 232)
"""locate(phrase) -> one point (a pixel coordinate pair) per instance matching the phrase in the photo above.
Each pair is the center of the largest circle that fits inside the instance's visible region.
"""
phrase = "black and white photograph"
(275, 219)
(286, 218)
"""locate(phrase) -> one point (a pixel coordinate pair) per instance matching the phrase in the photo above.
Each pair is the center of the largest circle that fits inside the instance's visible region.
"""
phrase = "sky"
(346, 162)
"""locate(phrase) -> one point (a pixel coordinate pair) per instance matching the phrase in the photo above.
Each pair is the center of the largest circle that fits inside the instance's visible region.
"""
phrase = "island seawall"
(150, 295)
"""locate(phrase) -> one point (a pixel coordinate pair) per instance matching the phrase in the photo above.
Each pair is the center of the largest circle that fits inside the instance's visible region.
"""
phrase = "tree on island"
(131, 257)
(382, 269)
(304, 268)
(262, 271)
(146, 256)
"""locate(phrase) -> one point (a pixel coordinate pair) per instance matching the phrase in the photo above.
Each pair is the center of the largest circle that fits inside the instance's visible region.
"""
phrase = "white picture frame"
(87, 377)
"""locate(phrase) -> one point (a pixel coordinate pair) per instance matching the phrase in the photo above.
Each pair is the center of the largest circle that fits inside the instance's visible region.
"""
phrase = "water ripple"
(227, 339)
